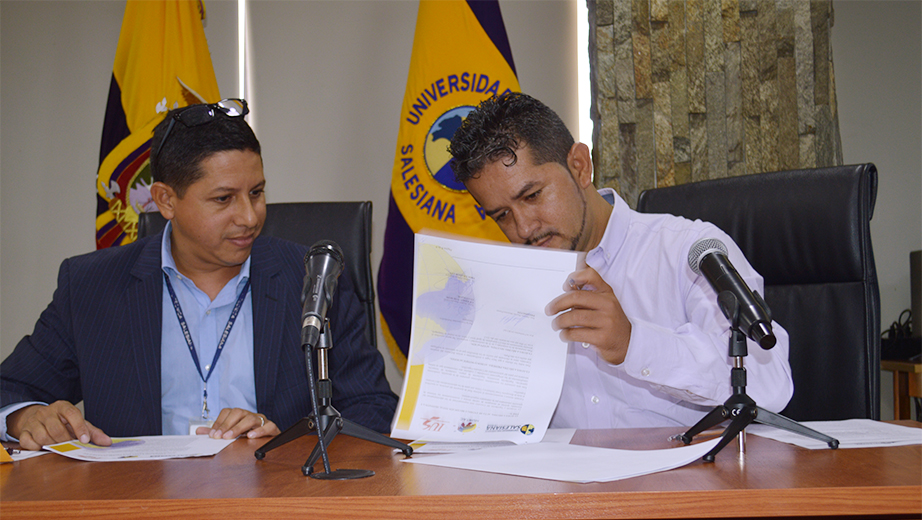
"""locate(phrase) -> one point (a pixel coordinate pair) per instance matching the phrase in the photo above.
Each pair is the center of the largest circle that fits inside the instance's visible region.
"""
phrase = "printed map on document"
(484, 363)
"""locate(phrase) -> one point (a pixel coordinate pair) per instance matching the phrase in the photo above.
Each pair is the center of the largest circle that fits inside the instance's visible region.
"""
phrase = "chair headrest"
(813, 225)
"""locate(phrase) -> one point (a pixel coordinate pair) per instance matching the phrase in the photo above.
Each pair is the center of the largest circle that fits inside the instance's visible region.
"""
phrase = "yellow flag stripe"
(162, 43)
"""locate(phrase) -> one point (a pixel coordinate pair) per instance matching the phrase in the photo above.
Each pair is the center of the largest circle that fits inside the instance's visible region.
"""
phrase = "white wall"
(328, 82)
(877, 54)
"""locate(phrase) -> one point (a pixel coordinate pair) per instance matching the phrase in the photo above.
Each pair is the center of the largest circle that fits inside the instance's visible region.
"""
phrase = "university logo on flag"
(162, 62)
(460, 57)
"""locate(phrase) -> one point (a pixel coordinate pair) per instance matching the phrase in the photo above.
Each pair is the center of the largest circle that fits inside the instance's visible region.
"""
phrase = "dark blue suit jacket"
(99, 341)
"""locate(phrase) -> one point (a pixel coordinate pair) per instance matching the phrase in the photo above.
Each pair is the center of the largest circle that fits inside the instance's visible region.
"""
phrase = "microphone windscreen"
(325, 247)
(702, 248)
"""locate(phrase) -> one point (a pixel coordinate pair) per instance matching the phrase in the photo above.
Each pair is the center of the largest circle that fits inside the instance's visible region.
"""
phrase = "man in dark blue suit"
(196, 329)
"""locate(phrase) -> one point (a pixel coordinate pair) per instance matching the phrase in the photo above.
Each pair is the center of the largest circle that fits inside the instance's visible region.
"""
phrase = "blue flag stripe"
(491, 19)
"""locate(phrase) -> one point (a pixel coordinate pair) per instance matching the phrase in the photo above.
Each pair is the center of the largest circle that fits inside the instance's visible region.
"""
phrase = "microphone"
(709, 257)
(323, 264)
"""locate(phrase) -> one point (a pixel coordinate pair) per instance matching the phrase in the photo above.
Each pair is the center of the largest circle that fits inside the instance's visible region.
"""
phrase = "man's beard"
(574, 240)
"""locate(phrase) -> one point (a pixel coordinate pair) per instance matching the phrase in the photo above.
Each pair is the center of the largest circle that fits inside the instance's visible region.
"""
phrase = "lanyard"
(188, 337)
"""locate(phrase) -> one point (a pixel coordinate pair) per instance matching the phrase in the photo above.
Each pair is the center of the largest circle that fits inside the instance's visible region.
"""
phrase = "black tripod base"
(305, 426)
(742, 415)
(740, 408)
(343, 474)
(337, 425)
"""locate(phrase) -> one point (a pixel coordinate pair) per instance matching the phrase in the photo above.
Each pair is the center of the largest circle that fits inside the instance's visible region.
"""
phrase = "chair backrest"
(346, 223)
(807, 232)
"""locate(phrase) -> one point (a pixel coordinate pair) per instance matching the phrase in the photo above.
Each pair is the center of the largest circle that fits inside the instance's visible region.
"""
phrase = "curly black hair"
(503, 124)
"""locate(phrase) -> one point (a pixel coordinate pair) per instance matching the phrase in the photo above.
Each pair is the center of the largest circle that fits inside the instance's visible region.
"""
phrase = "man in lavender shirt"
(647, 342)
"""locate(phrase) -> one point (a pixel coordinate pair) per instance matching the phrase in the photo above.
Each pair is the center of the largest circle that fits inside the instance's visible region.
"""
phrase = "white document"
(26, 454)
(560, 435)
(484, 363)
(154, 447)
(569, 462)
(851, 433)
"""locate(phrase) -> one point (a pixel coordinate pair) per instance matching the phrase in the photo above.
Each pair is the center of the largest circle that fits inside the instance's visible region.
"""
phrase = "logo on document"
(526, 429)
(467, 426)
(433, 424)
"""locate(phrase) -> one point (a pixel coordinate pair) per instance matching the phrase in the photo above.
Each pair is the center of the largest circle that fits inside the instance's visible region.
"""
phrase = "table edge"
(766, 503)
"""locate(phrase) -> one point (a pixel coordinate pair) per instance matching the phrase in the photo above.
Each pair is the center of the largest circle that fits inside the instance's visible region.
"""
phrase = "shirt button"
(645, 372)
(595, 399)
(207, 367)
(586, 345)
(208, 312)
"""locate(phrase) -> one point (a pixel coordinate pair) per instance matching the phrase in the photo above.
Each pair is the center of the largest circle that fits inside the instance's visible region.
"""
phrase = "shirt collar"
(618, 223)
(169, 266)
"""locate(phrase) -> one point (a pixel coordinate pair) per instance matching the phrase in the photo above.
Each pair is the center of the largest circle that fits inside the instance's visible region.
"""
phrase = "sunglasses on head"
(196, 115)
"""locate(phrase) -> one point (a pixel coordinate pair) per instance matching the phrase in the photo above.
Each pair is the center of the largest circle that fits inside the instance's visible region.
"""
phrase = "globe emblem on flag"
(435, 150)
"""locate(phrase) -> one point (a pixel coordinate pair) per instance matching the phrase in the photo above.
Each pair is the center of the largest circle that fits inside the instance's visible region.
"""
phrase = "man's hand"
(232, 422)
(39, 425)
(593, 315)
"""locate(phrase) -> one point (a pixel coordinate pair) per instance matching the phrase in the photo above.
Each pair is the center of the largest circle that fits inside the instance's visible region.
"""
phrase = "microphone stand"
(326, 421)
(740, 408)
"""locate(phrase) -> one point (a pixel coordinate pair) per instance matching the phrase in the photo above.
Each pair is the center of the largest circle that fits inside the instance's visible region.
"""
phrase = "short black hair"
(503, 124)
(178, 161)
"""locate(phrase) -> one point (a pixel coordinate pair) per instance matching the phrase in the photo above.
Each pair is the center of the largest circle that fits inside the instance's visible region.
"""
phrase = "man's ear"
(579, 160)
(163, 196)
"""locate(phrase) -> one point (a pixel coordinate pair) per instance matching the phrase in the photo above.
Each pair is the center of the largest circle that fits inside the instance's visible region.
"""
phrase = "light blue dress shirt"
(232, 383)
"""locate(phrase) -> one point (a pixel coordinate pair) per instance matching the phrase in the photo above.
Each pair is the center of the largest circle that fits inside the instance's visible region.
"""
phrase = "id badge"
(195, 424)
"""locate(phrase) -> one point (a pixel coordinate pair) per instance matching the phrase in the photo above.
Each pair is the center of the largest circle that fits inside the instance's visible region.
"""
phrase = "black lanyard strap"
(188, 336)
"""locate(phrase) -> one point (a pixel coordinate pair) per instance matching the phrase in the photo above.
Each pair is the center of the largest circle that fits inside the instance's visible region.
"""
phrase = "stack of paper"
(852, 433)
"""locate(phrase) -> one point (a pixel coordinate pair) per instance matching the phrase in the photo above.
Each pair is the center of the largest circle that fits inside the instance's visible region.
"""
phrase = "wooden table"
(907, 383)
(771, 479)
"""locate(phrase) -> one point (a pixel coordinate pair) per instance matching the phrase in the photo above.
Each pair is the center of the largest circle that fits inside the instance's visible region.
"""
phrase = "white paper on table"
(559, 435)
(484, 363)
(569, 462)
(154, 447)
(851, 433)
(27, 454)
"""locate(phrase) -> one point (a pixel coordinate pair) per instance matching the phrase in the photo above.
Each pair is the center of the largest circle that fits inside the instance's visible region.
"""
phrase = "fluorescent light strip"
(241, 47)
(584, 87)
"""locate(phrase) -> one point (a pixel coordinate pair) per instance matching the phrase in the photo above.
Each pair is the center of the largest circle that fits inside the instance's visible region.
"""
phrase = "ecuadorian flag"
(461, 56)
(162, 62)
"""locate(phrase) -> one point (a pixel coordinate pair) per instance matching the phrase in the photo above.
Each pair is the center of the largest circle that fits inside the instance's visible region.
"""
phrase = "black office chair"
(807, 232)
(346, 223)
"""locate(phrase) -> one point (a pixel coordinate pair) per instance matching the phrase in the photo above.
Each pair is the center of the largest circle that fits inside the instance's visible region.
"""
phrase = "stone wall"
(686, 90)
